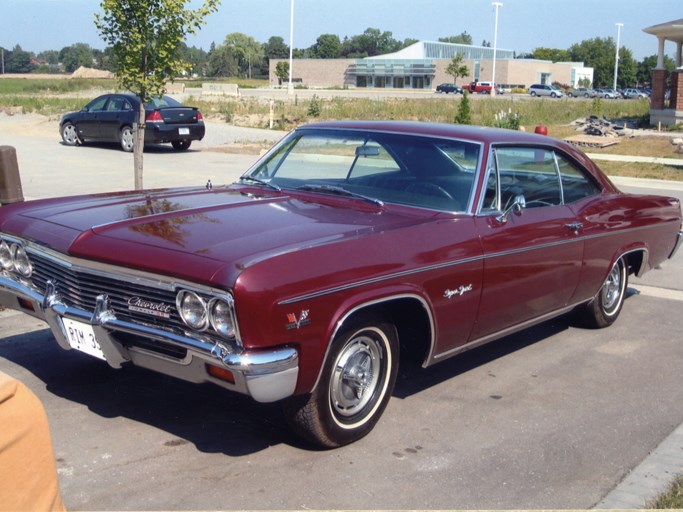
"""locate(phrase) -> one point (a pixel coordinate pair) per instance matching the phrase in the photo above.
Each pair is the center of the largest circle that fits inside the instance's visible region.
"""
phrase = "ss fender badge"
(294, 322)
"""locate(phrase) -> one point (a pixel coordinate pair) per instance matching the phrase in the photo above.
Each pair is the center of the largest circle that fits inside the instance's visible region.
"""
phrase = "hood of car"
(193, 233)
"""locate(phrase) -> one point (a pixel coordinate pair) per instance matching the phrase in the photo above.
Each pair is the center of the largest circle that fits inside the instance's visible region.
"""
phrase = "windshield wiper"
(261, 182)
(329, 189)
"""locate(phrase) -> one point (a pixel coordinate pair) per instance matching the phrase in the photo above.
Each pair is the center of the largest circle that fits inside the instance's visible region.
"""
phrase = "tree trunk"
(139, 146)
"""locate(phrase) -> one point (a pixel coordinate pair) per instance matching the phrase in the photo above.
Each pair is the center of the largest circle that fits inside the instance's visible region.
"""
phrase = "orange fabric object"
(28, 473)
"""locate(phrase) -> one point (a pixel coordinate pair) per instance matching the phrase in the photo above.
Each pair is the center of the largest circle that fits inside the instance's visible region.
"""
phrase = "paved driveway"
(553, 417)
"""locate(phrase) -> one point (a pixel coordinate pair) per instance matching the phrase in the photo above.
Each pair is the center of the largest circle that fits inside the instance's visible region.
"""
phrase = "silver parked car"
(634, 93)
(545, 90)
(581, 92)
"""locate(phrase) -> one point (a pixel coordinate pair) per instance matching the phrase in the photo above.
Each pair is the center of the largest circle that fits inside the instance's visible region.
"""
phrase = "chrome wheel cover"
(70, 135)
(612, 290)
(127, 140)
(356, 374)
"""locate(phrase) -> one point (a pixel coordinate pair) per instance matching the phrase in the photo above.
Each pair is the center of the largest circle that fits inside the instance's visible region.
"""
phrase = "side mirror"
(517, 206)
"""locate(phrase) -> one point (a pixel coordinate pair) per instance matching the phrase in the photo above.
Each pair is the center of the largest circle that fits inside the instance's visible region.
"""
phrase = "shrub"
(464, 114)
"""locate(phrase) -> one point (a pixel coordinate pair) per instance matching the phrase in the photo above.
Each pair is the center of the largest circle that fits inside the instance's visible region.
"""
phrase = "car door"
(89, 123)
(114, 115)
(532, 254)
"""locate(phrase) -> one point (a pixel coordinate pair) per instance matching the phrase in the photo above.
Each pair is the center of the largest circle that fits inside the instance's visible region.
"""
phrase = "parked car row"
(608, 93)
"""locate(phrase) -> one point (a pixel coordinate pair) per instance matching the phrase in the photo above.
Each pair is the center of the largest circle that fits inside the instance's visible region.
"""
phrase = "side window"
(575, 184)
(115, 104)
(97, 104)
(530, 172)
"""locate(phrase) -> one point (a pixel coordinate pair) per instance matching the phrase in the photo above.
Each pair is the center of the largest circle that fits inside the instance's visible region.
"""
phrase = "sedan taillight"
(199, 116)
(155, 117)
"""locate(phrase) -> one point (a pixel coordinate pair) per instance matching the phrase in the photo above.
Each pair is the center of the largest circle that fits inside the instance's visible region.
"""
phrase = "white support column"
(660, 55)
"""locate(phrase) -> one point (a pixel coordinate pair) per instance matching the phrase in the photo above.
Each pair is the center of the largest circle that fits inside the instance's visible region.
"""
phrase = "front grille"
(80, 288)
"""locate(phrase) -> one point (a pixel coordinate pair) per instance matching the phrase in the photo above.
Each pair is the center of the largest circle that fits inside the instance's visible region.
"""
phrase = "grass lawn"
(673, 498)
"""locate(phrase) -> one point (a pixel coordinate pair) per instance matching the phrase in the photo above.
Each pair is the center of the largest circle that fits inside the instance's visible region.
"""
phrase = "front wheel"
(355, 386)
(181, 145)
(533, 93)
(126, 139)
(604, 309)
(70, 134)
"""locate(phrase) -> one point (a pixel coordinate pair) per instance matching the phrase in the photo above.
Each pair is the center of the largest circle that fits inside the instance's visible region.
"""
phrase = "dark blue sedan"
(110, 118)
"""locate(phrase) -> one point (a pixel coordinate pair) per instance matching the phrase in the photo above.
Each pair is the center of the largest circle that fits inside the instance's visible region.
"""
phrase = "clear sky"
(523, 25)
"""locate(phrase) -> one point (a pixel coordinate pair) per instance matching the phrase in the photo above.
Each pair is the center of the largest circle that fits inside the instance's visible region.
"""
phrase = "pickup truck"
(482, 88)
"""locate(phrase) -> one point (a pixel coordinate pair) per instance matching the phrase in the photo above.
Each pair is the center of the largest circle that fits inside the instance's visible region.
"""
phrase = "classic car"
(345, 245)
(110, 118)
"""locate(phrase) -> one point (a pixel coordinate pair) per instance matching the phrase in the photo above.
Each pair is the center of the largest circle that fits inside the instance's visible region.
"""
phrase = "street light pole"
(290, 86)
(616, 59)
(495, 47)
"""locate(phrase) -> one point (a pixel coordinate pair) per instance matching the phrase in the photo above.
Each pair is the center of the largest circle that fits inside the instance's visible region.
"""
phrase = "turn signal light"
(220, 373)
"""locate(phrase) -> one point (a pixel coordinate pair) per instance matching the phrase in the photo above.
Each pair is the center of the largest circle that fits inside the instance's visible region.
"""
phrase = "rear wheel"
(126, 139)
(354, 388)
(70, 135)
(604, 309)
(181, 145)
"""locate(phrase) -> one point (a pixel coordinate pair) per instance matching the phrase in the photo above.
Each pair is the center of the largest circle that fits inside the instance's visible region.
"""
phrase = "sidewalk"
(675, 162)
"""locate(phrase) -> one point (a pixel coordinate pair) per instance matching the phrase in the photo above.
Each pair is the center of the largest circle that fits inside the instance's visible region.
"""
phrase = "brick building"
(423, 66)
(662, 111)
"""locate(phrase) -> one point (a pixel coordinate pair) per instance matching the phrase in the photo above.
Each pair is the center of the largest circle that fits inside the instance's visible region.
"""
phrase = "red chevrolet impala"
(346, 243)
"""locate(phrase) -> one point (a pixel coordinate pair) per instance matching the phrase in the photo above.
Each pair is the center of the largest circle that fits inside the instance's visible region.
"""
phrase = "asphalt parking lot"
(552, 417)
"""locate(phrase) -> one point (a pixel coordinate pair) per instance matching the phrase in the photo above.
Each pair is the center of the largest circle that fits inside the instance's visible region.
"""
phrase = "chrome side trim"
(379, 280)
(501, 334)
(418, 270)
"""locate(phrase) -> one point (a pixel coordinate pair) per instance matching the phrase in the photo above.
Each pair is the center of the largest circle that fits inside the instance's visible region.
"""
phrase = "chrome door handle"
(574, 227)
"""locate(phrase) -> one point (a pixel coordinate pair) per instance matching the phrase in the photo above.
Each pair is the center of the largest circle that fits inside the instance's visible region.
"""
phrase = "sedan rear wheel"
(126, 139)
(354, 388)
(604, 309)
(70, 135)
(181, 145)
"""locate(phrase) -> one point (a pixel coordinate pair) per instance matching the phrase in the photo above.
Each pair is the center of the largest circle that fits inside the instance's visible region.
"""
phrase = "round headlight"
(21, 262)
(220, 314)
(6, 256)
(193, 310)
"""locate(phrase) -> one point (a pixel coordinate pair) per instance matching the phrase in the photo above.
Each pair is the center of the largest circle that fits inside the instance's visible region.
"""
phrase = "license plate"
(82, 337)
(183, 131)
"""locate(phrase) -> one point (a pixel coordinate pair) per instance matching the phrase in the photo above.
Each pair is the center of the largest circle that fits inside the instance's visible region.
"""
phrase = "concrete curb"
(650, 478)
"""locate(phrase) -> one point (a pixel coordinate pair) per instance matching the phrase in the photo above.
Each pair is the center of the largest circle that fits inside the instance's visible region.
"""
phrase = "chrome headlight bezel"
(222, 316)
(22, 263)
(14, 257)
(193, 310)
(6, 261)
(214, 312)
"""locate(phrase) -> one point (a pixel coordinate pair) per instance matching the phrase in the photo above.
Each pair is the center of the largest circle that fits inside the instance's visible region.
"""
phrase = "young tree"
(146, 36)
(282, 71)
(456, 67)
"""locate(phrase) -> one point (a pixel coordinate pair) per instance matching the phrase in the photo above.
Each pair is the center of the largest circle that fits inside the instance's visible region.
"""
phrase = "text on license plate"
(82, 337)
(183, 131)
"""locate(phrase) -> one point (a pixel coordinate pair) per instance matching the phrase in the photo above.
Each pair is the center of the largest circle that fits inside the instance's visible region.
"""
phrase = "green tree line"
(241, 55)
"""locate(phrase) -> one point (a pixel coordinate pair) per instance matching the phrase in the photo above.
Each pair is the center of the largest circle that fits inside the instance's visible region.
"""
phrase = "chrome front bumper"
(266, 376)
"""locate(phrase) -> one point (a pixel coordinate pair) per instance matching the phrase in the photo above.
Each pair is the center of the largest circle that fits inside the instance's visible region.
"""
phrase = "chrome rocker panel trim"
(266, 376)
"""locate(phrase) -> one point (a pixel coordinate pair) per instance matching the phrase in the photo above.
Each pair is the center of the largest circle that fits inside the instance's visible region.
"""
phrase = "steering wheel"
(430, 189)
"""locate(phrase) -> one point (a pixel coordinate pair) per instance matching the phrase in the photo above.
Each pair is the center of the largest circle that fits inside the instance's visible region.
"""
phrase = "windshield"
(418, 171)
